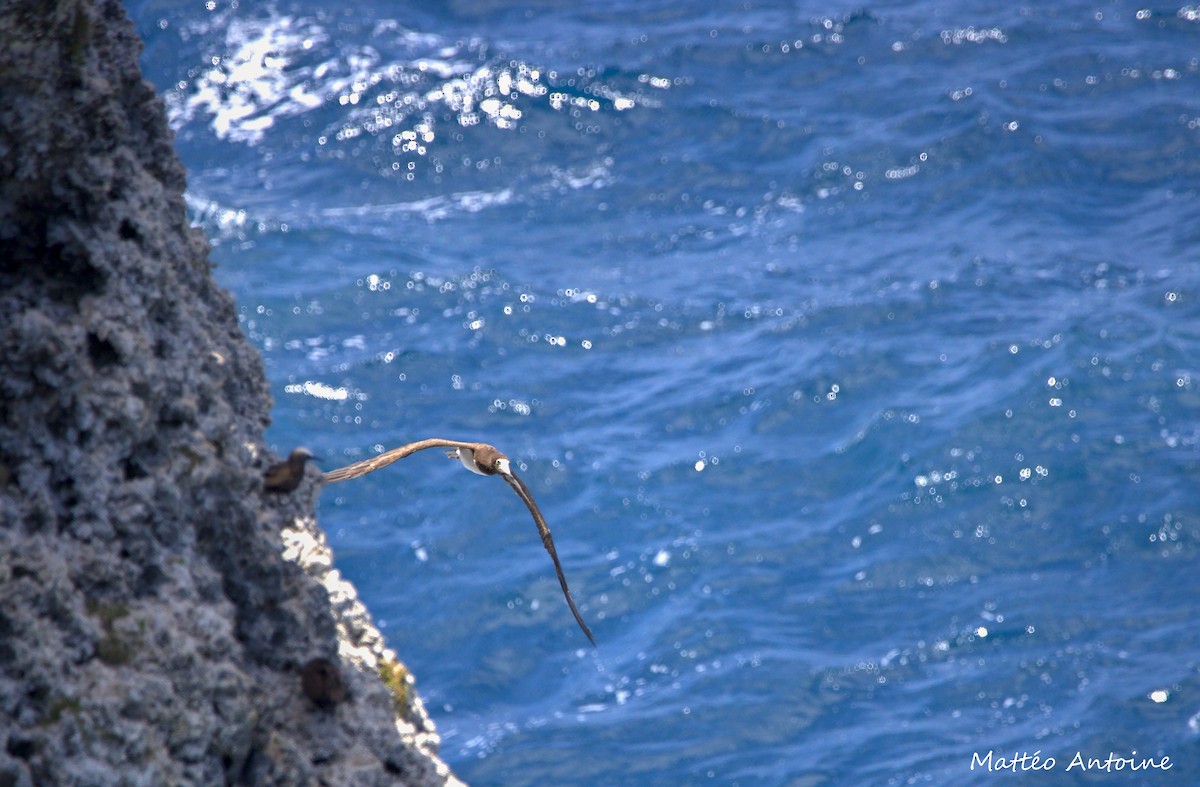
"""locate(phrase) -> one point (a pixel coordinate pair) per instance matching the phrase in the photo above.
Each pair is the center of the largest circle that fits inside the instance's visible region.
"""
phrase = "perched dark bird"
(479, 458)
(286, 476)
(321, 682)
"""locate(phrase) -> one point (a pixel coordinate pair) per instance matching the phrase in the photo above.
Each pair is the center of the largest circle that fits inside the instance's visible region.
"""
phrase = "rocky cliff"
(162, 620)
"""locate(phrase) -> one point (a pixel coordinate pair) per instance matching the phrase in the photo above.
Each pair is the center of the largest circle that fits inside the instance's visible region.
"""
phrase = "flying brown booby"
(286, 476)
(479, 458)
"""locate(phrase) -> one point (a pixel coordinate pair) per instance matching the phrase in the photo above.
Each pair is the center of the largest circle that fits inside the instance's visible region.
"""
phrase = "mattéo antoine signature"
(1024, 761)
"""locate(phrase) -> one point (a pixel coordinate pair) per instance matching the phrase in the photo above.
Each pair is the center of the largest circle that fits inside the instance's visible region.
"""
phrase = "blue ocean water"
(852, 353)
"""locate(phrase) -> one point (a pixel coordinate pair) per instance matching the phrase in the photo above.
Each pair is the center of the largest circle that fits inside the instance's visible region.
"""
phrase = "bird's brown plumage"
(490, 461)
(285, 476)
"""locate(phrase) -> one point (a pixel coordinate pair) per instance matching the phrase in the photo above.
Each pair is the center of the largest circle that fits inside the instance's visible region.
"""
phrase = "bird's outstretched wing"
(394, 455)
(502, 467)
(547, 541)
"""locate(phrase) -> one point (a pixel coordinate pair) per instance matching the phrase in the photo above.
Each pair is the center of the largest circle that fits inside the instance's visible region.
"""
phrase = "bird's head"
(299, 456)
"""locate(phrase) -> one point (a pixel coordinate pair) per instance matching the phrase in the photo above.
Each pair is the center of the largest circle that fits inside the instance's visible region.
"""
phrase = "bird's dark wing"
(548, 542)
(383, 460)
(387, 457)
(277, 477)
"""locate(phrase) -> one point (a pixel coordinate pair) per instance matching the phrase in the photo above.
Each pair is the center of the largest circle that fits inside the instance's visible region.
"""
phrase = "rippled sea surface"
(852, 355)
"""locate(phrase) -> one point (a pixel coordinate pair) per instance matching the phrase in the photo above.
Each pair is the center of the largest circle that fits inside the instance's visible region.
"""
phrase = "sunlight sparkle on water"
(319, 390)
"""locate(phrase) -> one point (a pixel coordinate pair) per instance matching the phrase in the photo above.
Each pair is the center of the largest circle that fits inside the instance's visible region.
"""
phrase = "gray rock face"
(157, 611)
